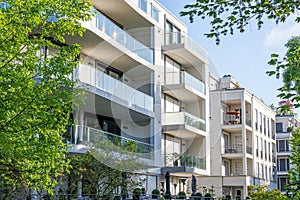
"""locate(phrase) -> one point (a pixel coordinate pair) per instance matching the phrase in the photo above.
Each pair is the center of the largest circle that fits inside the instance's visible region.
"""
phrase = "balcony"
(236, 148)
(184, 49)
(183, 164)
(92, 138)
(183, 85)
(190, 124)
(249, 150)
(117, 89)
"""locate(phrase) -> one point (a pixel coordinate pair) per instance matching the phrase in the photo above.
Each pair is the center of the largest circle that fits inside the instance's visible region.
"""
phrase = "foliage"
(102, 171)
(238, 197)
(288, 68)
(259, 192)
(207, 195)
(35, 90)
(294, 184)
(199, 194)
(181, 195)
(227, 196)
(227, 16)
(155, 191)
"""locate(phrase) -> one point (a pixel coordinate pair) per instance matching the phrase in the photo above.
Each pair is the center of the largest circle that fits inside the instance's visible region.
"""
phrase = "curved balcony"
(92, 139)
(115, 88)
(184, 86)
(185, 123)
(183, 48)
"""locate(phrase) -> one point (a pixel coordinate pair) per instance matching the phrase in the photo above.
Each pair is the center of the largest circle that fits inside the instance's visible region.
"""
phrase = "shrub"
(238, 197)
(136, 193)
(155, 194)
(248, 197)
(227, 197)
(181, 195)
(207, 195)
(198, 194)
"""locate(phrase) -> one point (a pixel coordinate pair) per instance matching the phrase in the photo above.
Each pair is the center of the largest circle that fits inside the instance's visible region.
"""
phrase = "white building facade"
(242, 132)
(147, 83)
(286, 124)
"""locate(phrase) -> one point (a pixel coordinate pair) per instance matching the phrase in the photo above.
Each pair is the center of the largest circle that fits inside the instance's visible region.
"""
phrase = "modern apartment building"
(147, 83)
(242, 132)
(285, 126)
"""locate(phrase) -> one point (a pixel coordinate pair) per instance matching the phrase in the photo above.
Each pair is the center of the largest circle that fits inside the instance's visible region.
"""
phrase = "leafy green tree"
(227, 16)
(288, 68)
(258, 192)
(35, 90)
(294, 183)
(105, 167)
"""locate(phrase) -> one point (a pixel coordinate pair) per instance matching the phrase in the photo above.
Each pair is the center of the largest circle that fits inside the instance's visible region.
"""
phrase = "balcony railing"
(92, 137)
(187, 160)
(248, 122)
(181, 77)
(115, 87)
(236, 148)
(116, 33)
(149, 9)
(183, 38)
(249, 150)
(184, 118)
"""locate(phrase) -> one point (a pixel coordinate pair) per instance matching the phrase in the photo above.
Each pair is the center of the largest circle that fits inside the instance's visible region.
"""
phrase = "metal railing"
(97, 78)
(116, 33)
(188, 160)
(236, 148)
(92, 137)
(184, 118)
(249, 150)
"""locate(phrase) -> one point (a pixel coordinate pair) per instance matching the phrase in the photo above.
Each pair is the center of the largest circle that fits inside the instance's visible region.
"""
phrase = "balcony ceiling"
(96, 47)
(121, 12)
(183, 131)
(183, 171)
(184, 93)
(232, 128)
(183, 55)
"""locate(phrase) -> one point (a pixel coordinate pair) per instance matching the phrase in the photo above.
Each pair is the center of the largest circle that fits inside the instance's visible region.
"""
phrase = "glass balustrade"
(183, 38)
(116, 33)
(187, 160)
(115, 87)
(182, 77)
(93, 138)
(184, 118)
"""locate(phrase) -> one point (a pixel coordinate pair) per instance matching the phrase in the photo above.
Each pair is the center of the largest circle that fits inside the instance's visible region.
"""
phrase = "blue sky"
(244, 56)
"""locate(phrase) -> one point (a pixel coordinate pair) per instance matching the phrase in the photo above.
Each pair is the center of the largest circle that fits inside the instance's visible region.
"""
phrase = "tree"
(227, 16)
(294, 183)
(288, 68)
(105, 167)
(35, 90)
(259, 192)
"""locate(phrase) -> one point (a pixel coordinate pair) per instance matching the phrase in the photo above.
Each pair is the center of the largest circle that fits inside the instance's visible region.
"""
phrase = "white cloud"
(280, 34)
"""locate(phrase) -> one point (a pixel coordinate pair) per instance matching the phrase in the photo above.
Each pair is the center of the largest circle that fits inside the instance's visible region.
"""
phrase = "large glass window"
(173, 75)
(279, 127)
(171, 104)
(282, 145)
(172, 34)
(283, 164)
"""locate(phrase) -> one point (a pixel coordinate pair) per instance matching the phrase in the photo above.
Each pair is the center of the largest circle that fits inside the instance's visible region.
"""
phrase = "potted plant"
(155, 194)
(227, 197)
(198, 195)
(238, 197)
(182, 195)
(207, 196)
(248, 197)
(136, 194)
(143, 190)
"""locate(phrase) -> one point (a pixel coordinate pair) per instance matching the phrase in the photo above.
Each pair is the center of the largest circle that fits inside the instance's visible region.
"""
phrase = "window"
(262, 171)
(268, 126)
(260, 125)
(171, 104)
(256, 119)
(172, 34)
(282, 145)
(265, 125)
(172, 72)
(257, 145)
(279, 127)
(257, 174)
(283, 164)
(227, 167)
(282, 181)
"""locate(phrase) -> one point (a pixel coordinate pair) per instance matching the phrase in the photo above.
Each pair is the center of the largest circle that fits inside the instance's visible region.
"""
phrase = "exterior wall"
(233, 139)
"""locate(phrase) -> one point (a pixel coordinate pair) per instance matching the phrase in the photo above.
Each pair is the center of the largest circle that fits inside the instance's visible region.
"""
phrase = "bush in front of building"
(155, 194)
